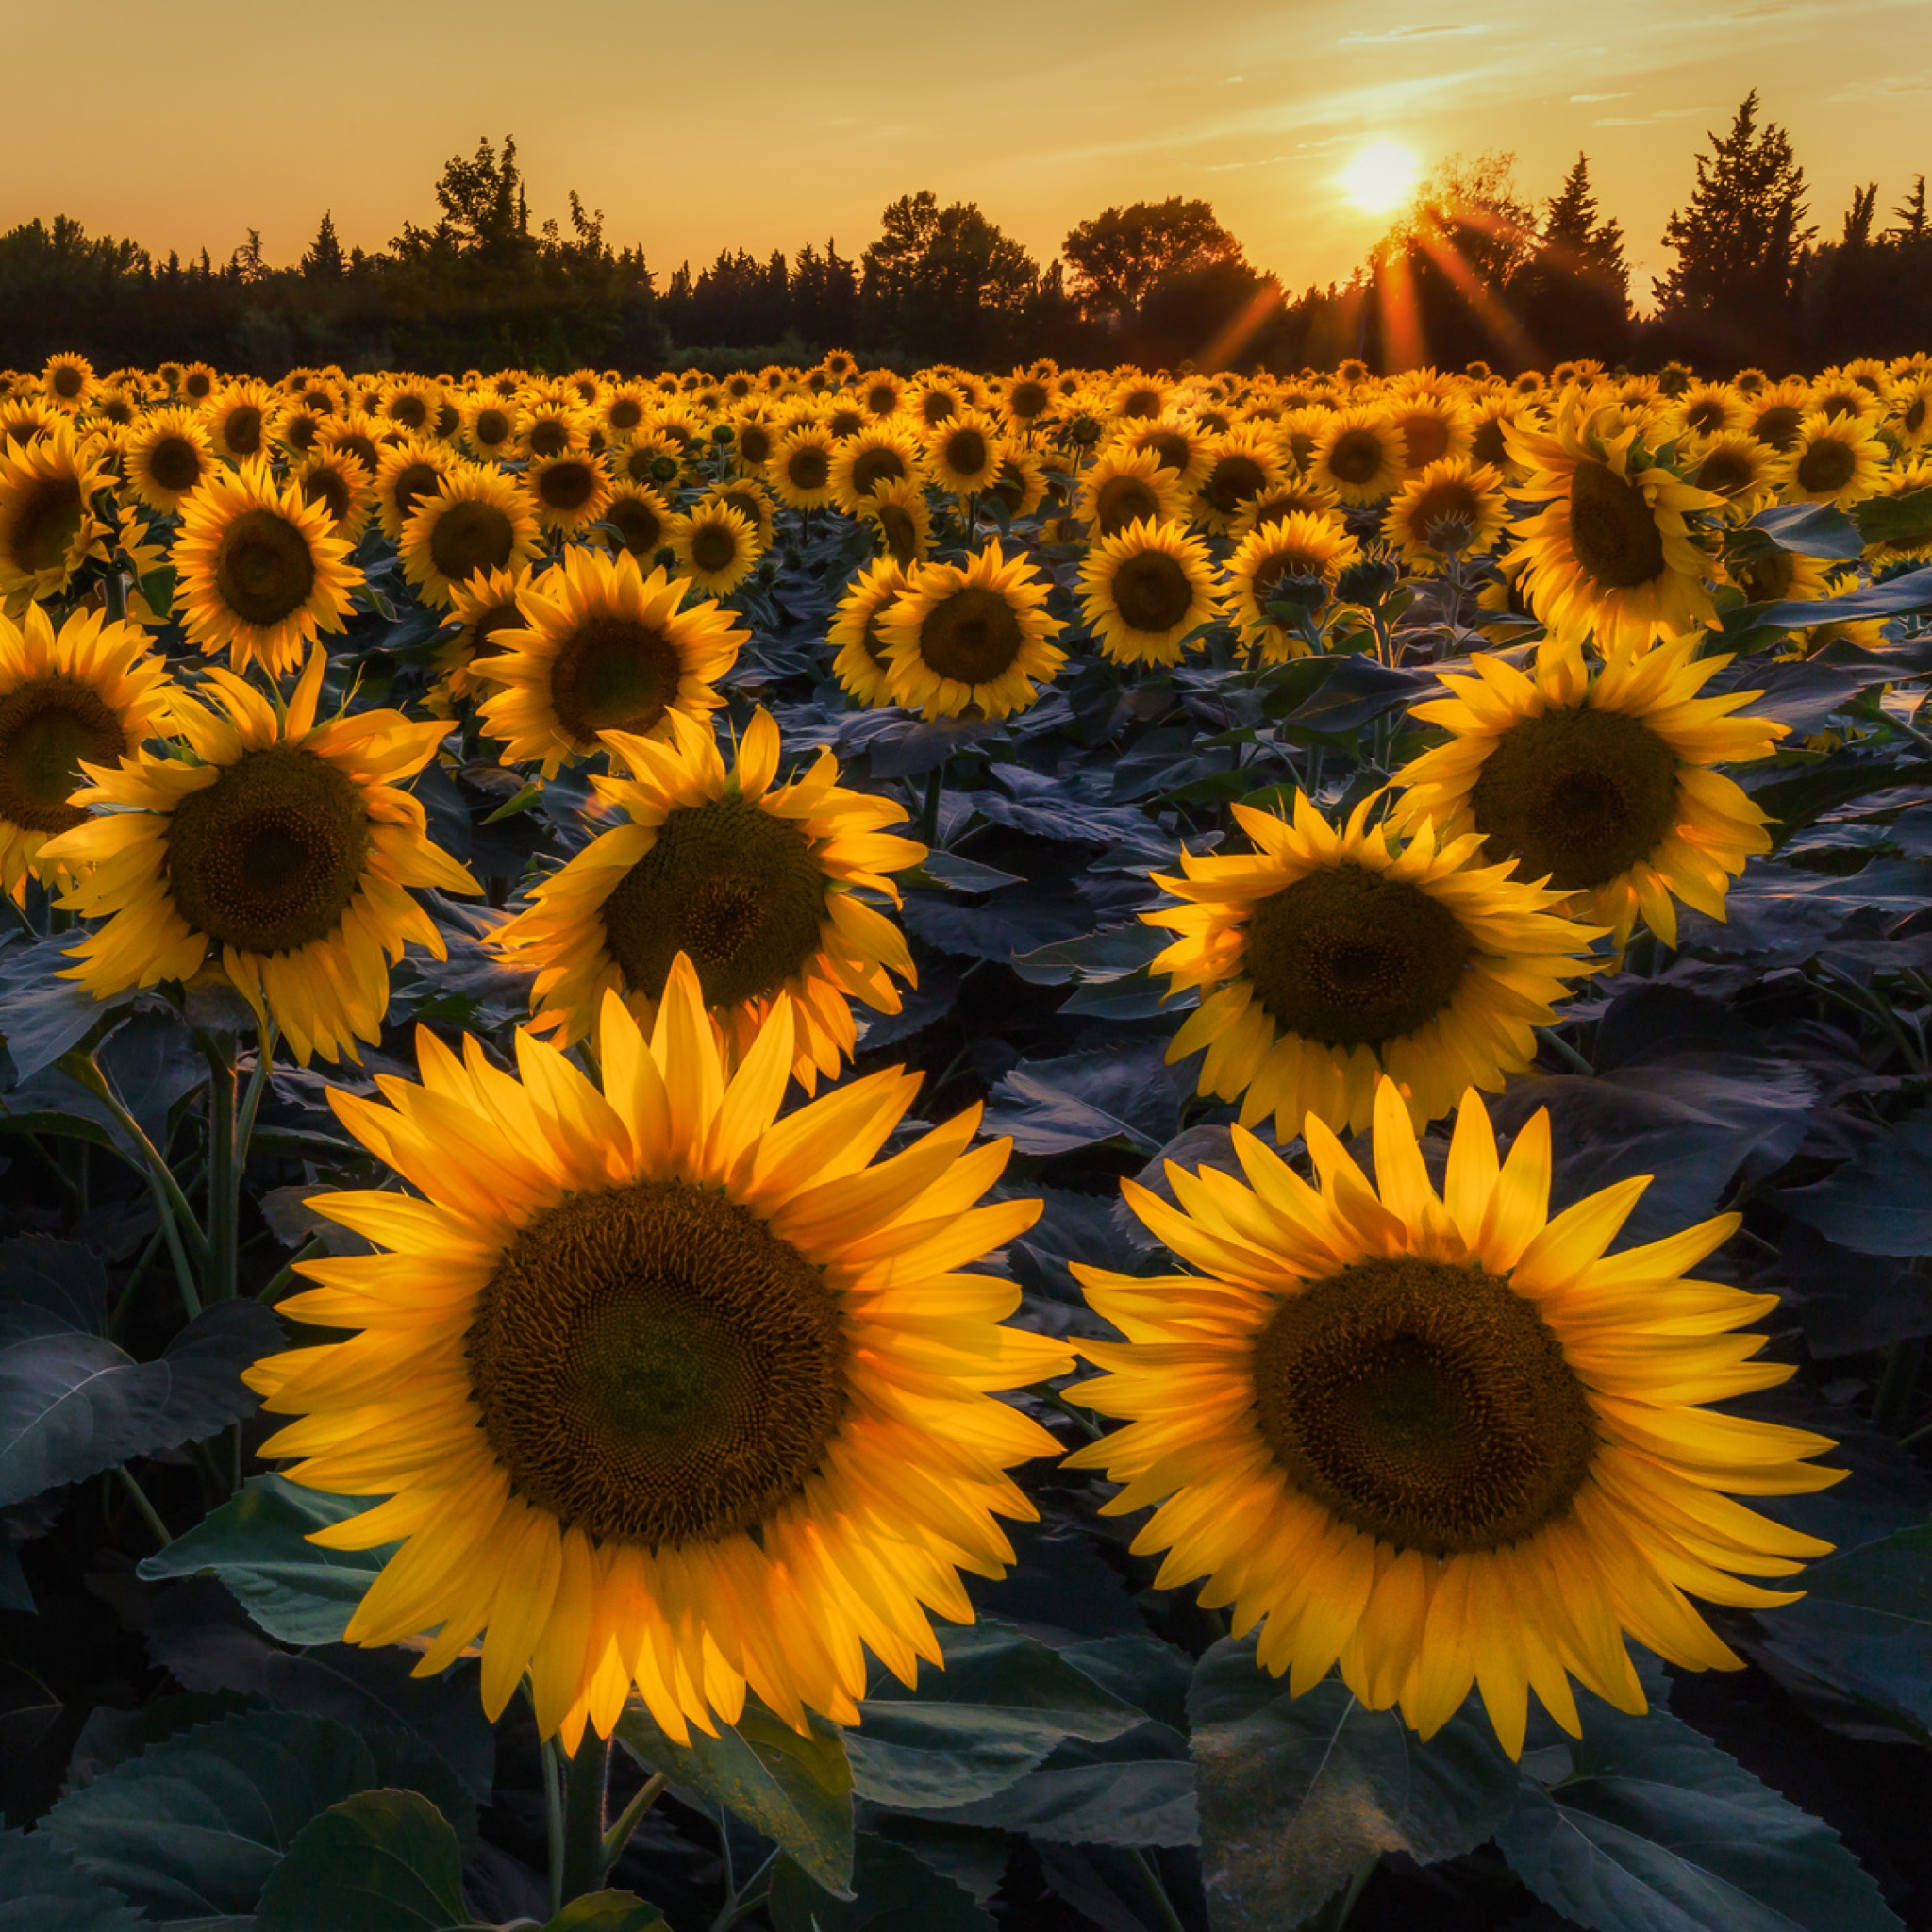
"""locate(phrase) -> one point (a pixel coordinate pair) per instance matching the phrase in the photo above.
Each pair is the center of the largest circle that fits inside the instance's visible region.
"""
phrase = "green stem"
(1563, 1050)
(135, 1279)
(251, 1100)
(223, 1179)
(552, 1809)
(115, 597)
(150, 1515)
(929, 815)
(631, 1817)
(288, 1280)
(583, 1817)
(1162, 1904)
(81, 1067)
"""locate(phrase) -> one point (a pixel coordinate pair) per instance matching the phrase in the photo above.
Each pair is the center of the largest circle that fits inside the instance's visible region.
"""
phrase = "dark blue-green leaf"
(894, 1892)
(42, 1889)
(1881, 1203)
(380, 1861)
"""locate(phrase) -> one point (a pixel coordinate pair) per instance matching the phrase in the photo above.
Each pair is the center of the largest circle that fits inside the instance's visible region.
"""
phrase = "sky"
(760, 123)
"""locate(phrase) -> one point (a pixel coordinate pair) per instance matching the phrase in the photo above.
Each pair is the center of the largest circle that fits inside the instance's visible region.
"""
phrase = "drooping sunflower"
(1443, 1441)
(485, 606)
(859, 662)
(1610, 550)
(92, 691)
(1146, 590)
(691, 1397)
(716, 548)
(901, 520)
(281, 853)
(1453, 508)
(1359, 455)
(1295, 545)
(882, 453)
(49, 527)
(1598, 783)
(602, 648)
(799, 469)
(477, 520)
(260, 571)
(342, 486)
(971, 637)
(753, 881)
(1837, 460)
(1329, 957)
(1126, 486)
(168, 454)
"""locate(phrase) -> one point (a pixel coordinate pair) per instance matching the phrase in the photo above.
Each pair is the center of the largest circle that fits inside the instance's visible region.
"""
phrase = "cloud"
(1884, 86)
(1623, 97)
(1440, 31)
(1648, 120)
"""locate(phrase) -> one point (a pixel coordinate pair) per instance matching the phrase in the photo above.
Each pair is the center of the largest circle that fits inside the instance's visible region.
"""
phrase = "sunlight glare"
(1380, 178)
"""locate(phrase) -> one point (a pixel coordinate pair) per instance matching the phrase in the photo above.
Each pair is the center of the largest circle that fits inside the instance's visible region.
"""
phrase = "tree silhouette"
(324, 260)
(1121, 255)
(1573, 294)
(945, 281)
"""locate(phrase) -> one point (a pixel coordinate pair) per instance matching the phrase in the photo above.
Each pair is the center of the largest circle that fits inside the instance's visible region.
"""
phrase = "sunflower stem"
(115, 597)
(553, 1808)
(149, 1514)
(223, 1178)
(929, 814)
(631, 1817)
(584, 1863)
(1162, 1904)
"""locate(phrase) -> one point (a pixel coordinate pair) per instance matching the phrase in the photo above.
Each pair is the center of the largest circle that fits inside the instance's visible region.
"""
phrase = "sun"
(1380, 178)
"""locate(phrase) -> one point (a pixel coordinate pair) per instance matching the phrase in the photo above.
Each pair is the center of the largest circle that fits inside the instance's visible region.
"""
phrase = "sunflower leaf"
(894, 1892)
(1299, 1793)
(380, 1861)
(796, 1790)
(1881, 1203)
(1654, 1830)
(41, 1887)
(256, 1545)
(608, 1911)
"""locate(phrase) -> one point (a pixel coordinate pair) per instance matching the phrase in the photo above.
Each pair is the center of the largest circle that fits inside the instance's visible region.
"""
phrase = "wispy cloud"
(1648, 120)
(1441, 31)
(1623, 97)
(1885, 87)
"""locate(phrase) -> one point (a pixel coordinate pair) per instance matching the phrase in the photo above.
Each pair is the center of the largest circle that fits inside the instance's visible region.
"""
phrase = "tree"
(1573, 294)
(1737, 242)
(1121, 255)
(946, 280)
(1911, 215)
(324, 260)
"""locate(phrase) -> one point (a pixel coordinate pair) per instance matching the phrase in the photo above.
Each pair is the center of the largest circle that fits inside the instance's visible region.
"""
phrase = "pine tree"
(1574, 293)
(1911, 216)
(325, 262)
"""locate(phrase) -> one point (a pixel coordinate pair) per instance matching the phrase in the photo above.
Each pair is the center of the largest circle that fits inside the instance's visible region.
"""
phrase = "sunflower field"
(820, 1150)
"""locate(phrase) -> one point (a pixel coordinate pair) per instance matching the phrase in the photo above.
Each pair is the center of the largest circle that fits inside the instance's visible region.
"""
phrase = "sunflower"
(691, 1398)
(68, 382)
(971, 637)
(1242, 465)
(1709, 408)
(622, 411)
(1598, 785)
(1836, 459)
(1733, 464)
(260, 571)
(1776, 412)
(25, 420)
(883, 453)
(94, 692)
(1146, 590)
(487, 426)
(476, 519)
(1454, 507)
(1026, 400)
(342, 486)
(1327, 958)
(750, 499)
(1432, 426)
(412, 404)
(1267, 559)
(1910, 422)
(1907, 479)
(168, 454)
(963, 452)
(571, 492)
(930, 403)
(49, 528)
(1293, 499)
(799, 469)
(408, 472)
(553, 428)
(1128, 486)
(716, 548)
(486, 606)
(1781, 576)
(639, 520)
(1020, 486)
(1442, 1439)
(1360, 456)
(1610, 550)
(1177, 441)
(860, 663)
(238, 420)
(753, 881)
(901, 520)
(199, 382)
(602, 648)
(279, 852)
(1487, 441)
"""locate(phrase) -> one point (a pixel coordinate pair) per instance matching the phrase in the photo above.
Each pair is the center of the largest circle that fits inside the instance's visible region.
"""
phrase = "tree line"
(1472, 270)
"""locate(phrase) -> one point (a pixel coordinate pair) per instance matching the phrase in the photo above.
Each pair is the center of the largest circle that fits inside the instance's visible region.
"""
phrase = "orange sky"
(698, 127)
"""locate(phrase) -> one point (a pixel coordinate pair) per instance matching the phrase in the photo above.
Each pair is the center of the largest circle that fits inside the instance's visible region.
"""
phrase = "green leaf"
(194, 1826)
(42, 1015)
(893, 1892)
(907, 1755)
(796, 1790)
(256, 1545)
(1904, 520)
(1879, 1203)
(43, 1889)
(1299, 1793)
(951, 872)
(380, 1861)
(1800, 529)
(1652, 1828)
(608, 1911)
(1120, 1800)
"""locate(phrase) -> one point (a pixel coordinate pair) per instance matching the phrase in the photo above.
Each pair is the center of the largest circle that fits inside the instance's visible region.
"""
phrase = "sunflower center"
(614, 674)
(1578, 794)
(68, 382)
(1826, 467)
(264, 571)
(567, 485)
(754, 443)
(267, 858)
(876, 466)
(47, 523)
(1612, 529)
(1026, 400)
(1232, 482)
(1778, 425)
(493, 428)
(1123, 500)
(713, 547)
(1705, 416)
(1449, 502)
(1724, 471)
(1489, 445)
(627, 412)
(1356, 456)
(47, 725)
(654, 1366)
(1425, 1403)
(1172, 448)
(413, 482)
(1352, 958)
(471, 537)
(330, 489)
(1423, 439)
(966, 452)
(735, 887)
(175, 463)
(807, 468)
(1151, 592)
(973, 636)
(549, 437)
(637, 523)
(410, 411)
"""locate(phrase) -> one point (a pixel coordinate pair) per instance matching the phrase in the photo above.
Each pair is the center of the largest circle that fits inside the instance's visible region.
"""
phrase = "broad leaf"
(893, 1892)
(1122, 1093)
(1650, 1827)
(608, 1911)
(194, 1826)
(42, 1015)
(1299, 1793)
(256, 1543)
(1803, 529)
(1881, 1203)
(380, 1861)
(796, 1790)
(42, 1889)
